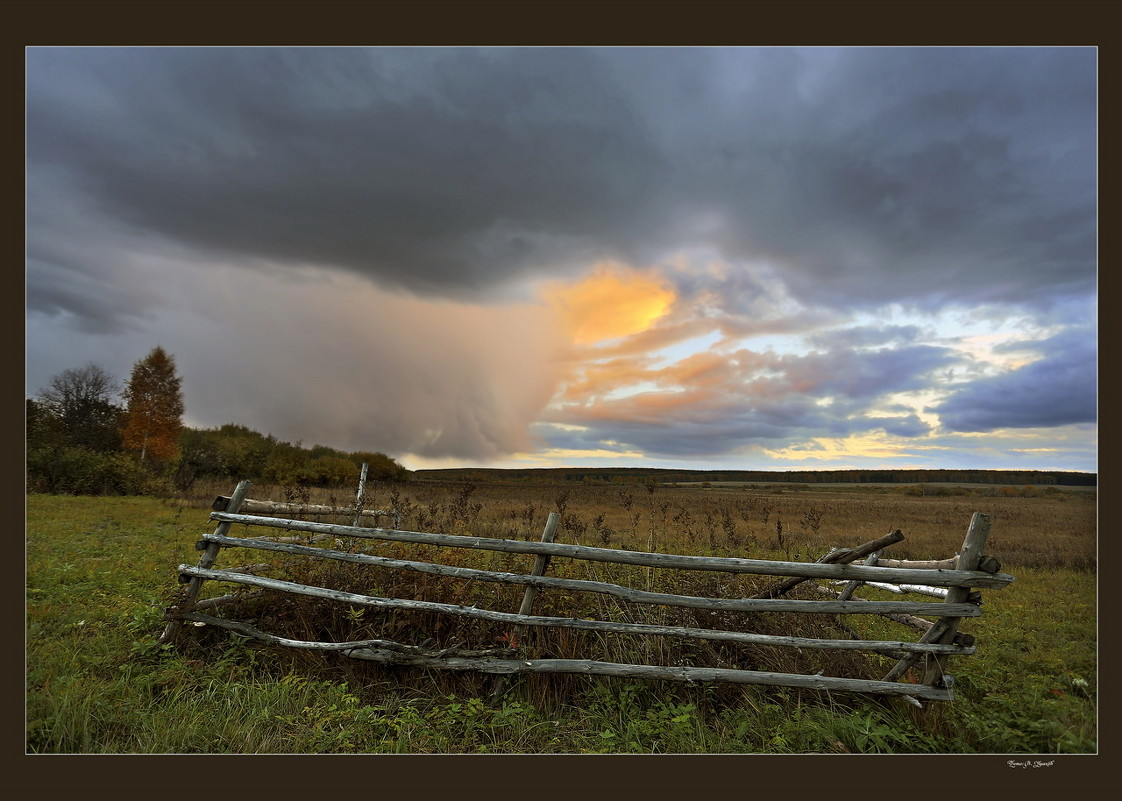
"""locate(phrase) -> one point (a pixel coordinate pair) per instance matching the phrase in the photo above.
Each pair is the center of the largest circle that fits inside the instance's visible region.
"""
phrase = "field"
(101, 570)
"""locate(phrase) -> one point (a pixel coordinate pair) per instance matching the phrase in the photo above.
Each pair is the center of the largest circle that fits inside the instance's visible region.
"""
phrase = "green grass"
(101, 570)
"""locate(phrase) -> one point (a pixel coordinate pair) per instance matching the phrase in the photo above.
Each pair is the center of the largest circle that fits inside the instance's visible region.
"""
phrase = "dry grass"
(101, 571)
(1030, 529)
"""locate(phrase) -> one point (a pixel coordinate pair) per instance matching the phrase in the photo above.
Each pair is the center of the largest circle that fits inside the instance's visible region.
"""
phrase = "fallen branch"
(920, 564)
(260, 567)
(688, 674)
(900, 589)
(870, 607)
(210, 603)
(247, 630)
(908, 620)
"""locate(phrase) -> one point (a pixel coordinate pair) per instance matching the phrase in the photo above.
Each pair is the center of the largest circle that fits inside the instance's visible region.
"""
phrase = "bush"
(81, 471)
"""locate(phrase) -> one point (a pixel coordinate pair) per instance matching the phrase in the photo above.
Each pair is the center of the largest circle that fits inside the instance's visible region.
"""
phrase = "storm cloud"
(447, 170)
(766, 243)
(1058, 388)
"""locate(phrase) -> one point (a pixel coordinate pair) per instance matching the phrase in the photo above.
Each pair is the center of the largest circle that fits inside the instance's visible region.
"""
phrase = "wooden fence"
(953, 581)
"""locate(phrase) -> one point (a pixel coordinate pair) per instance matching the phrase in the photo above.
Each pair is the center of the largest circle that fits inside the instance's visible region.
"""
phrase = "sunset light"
(614, 301)
(765, 258)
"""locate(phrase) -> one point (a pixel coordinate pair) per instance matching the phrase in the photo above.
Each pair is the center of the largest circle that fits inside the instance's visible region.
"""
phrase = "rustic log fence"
(953, 580)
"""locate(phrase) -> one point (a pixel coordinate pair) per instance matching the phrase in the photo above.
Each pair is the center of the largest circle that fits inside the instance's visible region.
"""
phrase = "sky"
(762, 258)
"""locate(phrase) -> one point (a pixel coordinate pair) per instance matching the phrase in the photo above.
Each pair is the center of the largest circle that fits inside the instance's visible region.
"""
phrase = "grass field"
(101, 570)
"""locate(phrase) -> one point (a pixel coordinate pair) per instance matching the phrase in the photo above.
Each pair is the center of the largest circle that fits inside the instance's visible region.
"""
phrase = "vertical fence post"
(971, 555)
(852, 586)
(945, 628)
(361, 498)
(541, 562)
(210, 554)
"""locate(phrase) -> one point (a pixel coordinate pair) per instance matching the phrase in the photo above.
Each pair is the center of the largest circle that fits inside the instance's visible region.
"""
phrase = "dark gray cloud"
(718, 432)
(857, 376)
(171, 191)
(1058, 389)
(84, 270)
(436, 170)
(864, 176)
(907, 426)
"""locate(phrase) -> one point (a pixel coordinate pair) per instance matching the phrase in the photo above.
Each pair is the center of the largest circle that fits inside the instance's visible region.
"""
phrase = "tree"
(198, 458)
(154, 408)
(77, 404)
(380, 466)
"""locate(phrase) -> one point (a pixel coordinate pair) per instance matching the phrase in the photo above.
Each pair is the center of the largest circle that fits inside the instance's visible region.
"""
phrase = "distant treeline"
(80, 440)
(235, 452)
(641, 475)
(61, 461)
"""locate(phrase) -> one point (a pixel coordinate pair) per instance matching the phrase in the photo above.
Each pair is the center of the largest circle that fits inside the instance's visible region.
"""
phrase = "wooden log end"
(221, 503)
(989, 564)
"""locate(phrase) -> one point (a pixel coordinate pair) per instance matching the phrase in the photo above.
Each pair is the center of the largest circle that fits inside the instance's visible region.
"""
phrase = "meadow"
(100, 572)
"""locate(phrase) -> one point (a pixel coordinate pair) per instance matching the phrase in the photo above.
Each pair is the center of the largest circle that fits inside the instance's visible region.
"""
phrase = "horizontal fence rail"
(951, 580)
(626, 593)
(728, 564)
(689, 674)
(306, 509)
(573, 623)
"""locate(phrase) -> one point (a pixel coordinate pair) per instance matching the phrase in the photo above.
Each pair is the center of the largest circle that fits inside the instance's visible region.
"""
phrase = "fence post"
(971, 555)
(945, 628)
(541, 562)
(361, 495)
(852, 586)
(210, 554)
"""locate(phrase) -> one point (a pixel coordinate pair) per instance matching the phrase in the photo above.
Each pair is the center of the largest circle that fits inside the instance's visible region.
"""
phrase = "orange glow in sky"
(615, 301)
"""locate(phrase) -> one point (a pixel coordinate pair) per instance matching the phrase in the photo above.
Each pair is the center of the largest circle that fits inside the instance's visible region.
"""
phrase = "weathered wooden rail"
(953, 580)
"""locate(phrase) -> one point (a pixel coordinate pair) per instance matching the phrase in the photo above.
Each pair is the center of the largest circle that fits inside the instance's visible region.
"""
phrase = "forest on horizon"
(631, 475)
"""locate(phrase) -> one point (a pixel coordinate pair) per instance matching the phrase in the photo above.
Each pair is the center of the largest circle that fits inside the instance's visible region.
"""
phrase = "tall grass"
(101, 570)
(1033, 527)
